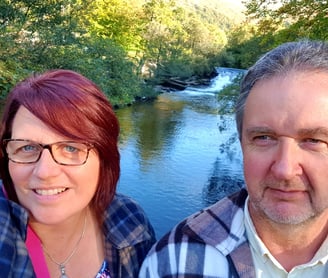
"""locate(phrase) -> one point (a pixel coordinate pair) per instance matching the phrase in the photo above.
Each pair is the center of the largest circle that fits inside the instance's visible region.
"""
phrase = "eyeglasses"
(63, 153)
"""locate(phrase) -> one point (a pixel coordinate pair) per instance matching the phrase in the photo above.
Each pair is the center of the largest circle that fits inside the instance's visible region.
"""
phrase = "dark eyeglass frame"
(48, 147)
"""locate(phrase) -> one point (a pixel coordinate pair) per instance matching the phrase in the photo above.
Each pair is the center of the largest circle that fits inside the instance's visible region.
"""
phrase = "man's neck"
(293, 245)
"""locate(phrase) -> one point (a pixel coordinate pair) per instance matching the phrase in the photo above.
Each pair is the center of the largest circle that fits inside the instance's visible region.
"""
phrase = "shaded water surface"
(177, 154)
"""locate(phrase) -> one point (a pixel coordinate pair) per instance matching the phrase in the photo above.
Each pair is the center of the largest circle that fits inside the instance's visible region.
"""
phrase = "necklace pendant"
(62, 271)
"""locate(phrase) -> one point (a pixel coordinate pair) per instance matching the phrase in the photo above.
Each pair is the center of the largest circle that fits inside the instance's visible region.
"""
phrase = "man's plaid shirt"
(208, 244)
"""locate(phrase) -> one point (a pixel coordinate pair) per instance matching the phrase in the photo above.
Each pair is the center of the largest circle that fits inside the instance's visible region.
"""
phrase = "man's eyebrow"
(258, 130)
(304, 132)
(323, 131)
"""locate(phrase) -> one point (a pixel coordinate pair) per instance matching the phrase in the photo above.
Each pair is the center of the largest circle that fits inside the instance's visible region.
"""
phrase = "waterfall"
(224, 77)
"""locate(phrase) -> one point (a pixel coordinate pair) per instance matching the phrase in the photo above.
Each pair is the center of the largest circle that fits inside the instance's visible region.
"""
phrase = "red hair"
(75, 107)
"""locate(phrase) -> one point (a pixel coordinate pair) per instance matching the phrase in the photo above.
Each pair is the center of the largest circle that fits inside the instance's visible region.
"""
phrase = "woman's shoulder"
(125, 205)
(11, 212)
(13, 219)
(126, 222)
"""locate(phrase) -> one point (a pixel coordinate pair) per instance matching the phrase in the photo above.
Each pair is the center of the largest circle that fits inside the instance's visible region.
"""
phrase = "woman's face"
(50, 192)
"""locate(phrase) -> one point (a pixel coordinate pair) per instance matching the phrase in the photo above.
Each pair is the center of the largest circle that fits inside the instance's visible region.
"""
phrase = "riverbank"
(170, 84)
(180, 84)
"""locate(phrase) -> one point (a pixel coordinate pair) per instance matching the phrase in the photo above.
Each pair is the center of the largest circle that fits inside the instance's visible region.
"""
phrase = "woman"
(59, 168)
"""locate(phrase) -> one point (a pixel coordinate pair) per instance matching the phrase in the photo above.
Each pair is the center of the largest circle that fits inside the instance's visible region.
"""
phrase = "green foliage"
(117, 20)
(115, 43)
(123, 45)
(6, 80)
(270, 23)
(228, 96)
(181, 42)
(302, 18)
(44, 35)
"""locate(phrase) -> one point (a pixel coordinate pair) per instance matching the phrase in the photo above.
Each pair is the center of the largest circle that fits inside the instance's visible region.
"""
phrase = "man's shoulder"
(212, 225)
(215, 223)
(200, 245)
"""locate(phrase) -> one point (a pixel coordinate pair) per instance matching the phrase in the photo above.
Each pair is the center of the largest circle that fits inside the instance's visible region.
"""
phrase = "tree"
(113, 42)
(39, 35)
(290, 19)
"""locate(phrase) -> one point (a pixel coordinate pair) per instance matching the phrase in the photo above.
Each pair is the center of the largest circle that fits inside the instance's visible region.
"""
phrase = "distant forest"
(129, 47)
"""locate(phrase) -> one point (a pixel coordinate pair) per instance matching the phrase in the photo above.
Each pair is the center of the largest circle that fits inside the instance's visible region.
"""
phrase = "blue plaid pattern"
(128, 233)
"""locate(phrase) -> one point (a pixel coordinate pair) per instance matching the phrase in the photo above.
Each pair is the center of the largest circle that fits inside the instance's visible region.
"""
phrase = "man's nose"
(287, 159)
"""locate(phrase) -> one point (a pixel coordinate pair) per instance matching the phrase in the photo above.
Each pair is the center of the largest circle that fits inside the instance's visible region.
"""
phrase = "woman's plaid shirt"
(128, 238)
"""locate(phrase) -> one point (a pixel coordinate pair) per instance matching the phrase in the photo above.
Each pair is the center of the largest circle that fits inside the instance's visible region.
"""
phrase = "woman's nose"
(46, 166)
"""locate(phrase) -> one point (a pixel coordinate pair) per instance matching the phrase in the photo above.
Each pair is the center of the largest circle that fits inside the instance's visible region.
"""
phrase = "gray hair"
(302, 56)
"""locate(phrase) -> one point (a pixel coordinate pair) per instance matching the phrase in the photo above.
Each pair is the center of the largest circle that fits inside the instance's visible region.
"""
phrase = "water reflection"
(221, 183)
(174, 158)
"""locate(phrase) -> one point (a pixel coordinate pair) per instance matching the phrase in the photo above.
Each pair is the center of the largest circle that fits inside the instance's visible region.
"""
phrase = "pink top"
(35, 251)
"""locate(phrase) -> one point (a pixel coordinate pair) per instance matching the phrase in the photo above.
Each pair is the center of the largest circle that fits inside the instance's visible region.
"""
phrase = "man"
(277, 226)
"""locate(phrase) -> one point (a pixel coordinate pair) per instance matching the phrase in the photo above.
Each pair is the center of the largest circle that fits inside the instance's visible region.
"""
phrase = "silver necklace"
(63, 264)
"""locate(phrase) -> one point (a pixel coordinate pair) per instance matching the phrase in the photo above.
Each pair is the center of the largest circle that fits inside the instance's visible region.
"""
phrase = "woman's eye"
(70, 149)
(28, 148)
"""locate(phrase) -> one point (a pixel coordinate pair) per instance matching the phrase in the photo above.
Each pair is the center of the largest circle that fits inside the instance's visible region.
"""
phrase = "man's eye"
(263, 140)
(314, 144)
(262, 137)
(312, 141)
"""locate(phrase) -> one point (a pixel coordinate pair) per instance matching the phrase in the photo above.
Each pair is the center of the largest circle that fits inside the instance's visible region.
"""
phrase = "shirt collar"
(257, 244)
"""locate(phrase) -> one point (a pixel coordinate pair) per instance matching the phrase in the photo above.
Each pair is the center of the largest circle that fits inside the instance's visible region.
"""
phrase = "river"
(177, 154)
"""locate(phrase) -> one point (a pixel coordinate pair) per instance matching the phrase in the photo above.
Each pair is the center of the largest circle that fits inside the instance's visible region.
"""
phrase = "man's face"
(285, 147)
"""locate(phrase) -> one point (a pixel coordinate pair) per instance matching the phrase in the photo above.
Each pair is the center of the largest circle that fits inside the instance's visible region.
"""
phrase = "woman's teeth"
(48, 192)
